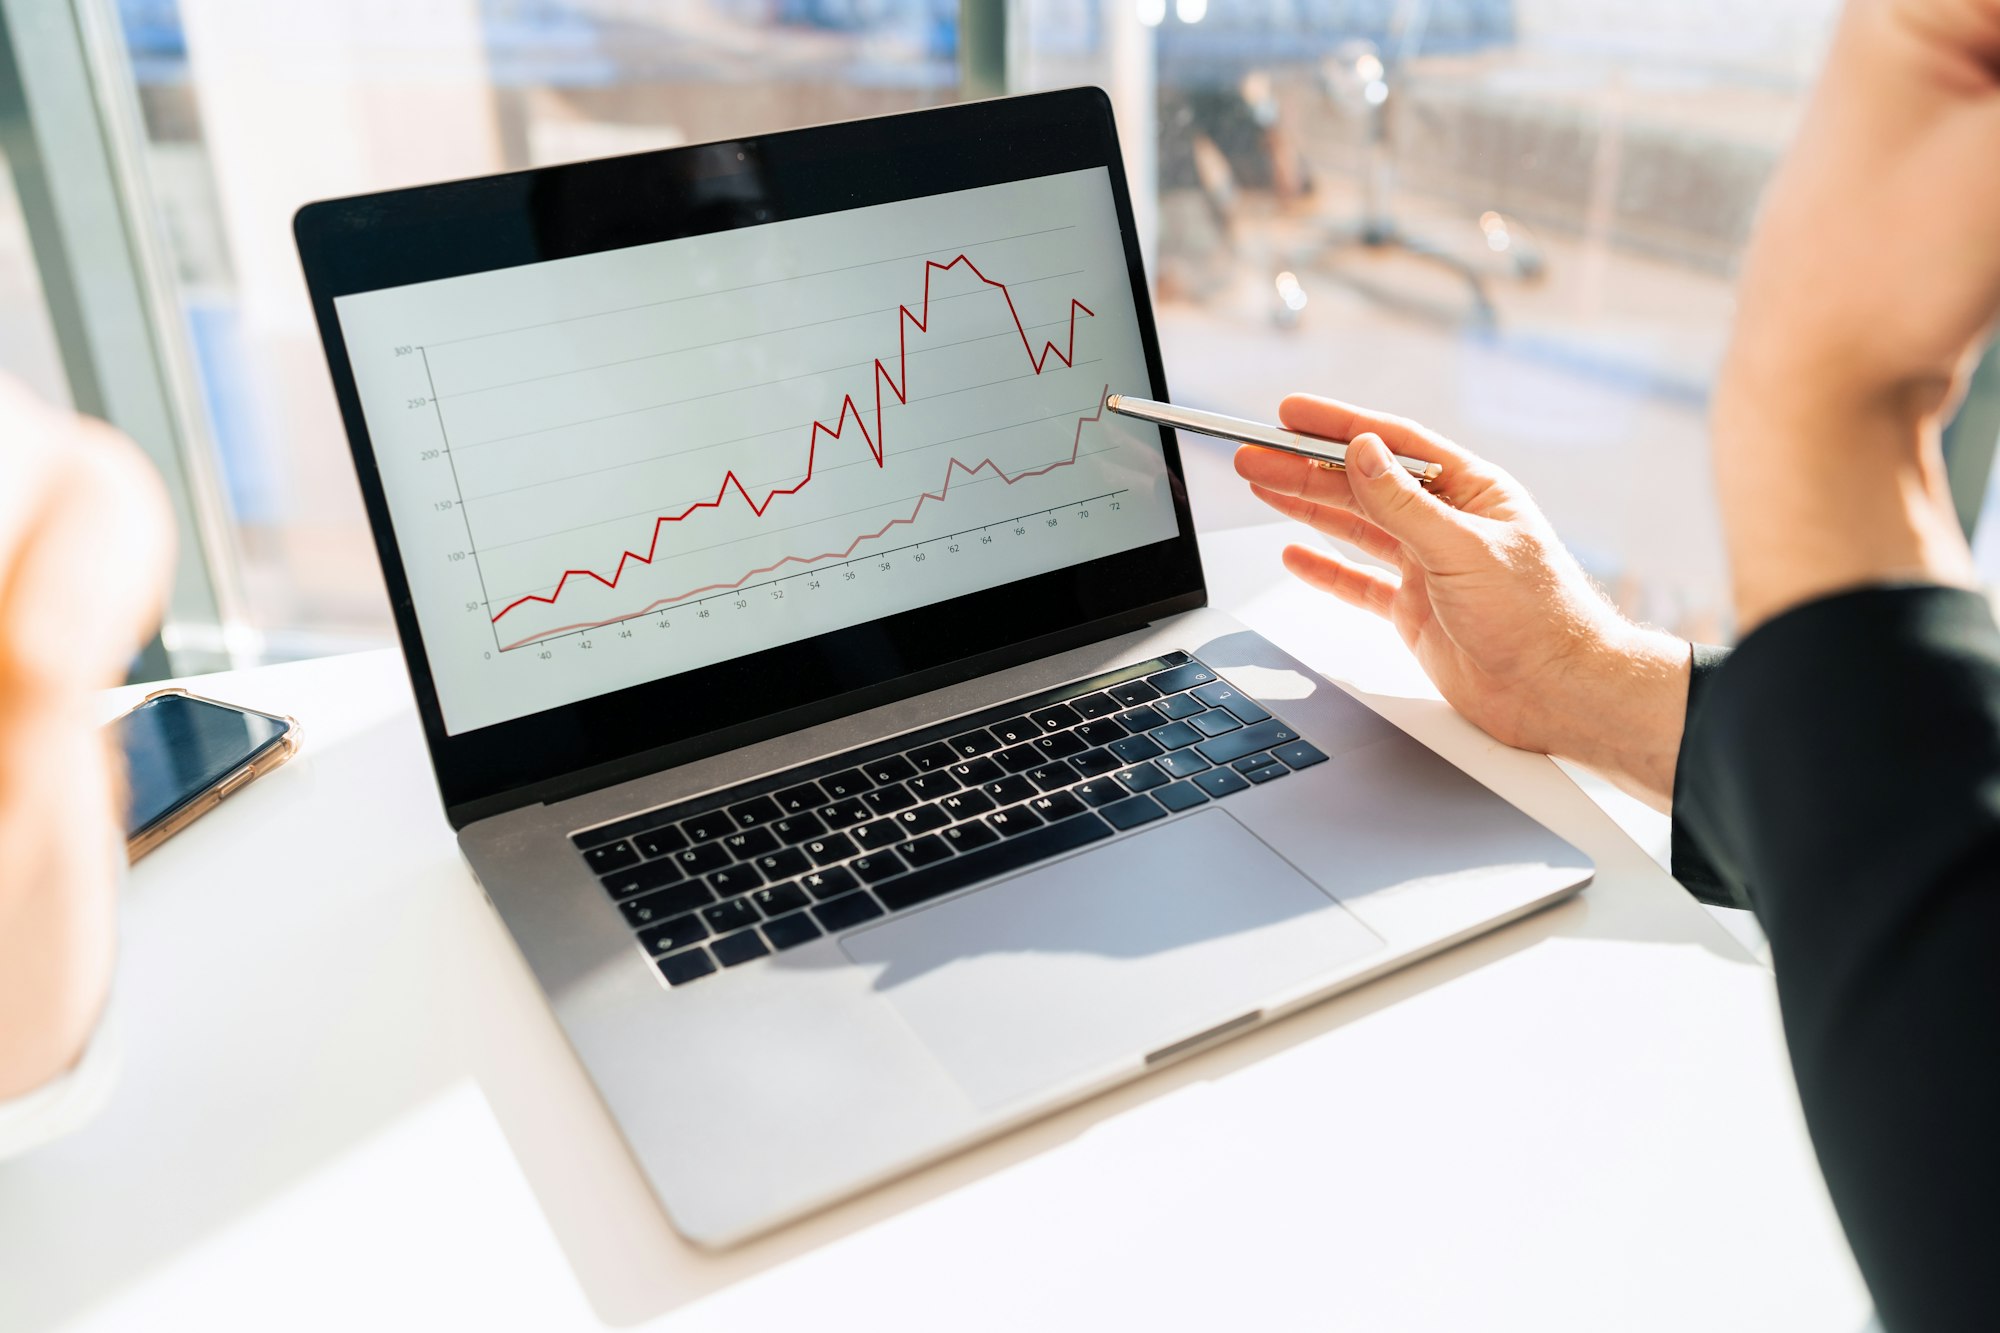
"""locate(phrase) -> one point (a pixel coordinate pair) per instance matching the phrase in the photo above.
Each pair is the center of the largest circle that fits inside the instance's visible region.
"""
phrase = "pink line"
(1076, 445)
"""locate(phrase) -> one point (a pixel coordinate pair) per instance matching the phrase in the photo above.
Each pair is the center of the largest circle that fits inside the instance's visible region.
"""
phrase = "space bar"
(1014, 854)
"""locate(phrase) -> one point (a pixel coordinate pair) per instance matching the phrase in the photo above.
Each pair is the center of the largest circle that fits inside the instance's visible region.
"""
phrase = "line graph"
(953, 466)
(592, 464)
(898, 384)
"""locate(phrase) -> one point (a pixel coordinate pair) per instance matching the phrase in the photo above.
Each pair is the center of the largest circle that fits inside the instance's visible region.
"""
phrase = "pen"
(1331, 454)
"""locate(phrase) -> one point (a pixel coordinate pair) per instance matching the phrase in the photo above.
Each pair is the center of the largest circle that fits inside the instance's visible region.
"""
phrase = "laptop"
(820, 680)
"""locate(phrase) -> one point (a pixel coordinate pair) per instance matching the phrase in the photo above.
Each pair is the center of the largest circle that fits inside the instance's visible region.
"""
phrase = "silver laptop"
(819, 678)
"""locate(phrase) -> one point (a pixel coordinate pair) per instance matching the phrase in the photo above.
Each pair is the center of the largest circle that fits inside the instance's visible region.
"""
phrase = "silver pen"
(1331, 454)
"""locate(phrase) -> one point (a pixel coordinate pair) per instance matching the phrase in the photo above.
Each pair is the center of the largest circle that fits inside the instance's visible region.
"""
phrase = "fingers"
(1339, 524)
(1334, 420)
(1329, 573)
(1391, 499)
(1288, 474)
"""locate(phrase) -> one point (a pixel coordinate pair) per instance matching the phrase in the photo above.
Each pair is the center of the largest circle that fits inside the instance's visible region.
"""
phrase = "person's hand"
(84, 550)
(1871, 283)
(1507, 625)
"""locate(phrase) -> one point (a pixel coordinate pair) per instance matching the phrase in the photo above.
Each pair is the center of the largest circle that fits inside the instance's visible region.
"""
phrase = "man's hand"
(84, 550)
(1496, 610)
(1870, 285)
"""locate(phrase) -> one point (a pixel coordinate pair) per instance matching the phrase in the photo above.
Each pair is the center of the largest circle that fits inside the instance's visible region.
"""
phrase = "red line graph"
(955, 465)
(899, 385)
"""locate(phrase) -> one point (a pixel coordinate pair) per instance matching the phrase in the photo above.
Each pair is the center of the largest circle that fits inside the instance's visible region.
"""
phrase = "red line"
(969, 469)
(904, 319)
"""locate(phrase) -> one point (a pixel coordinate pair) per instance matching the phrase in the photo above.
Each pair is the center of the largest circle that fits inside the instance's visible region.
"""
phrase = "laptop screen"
(614, 467)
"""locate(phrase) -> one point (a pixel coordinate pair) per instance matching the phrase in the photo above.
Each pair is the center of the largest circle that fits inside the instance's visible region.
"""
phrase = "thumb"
(1394, 501)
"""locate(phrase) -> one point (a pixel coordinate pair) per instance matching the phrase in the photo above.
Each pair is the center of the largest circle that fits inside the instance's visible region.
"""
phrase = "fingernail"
(1372, 456)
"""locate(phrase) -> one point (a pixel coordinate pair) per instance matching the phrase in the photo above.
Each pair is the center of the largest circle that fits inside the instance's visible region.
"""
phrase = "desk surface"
(344, 1105)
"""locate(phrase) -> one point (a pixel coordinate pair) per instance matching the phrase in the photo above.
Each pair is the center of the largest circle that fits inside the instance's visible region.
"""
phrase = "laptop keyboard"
(755, 869)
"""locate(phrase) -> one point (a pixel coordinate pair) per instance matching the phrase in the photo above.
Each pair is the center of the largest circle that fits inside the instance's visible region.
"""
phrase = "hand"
(1870, 284)
(84, 550)
(1512, 632)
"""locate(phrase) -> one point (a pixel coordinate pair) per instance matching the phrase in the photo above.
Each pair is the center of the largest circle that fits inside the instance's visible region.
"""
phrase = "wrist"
(1623, 709)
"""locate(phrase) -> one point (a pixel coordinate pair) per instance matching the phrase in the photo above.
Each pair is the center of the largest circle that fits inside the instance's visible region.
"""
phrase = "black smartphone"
(185, 754)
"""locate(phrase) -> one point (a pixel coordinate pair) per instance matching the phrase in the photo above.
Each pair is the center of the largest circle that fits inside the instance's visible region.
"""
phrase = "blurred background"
(1516, 220)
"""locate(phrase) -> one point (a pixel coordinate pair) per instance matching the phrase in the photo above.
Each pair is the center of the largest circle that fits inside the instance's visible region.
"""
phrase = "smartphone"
(185, 754)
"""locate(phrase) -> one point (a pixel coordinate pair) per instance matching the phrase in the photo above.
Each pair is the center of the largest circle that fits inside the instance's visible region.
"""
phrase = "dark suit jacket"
(1840, 775)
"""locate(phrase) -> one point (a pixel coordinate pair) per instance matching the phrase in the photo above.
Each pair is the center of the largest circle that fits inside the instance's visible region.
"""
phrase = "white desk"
(344, 1106)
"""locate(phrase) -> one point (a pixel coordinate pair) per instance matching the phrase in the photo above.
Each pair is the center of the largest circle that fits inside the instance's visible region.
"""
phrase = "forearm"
(1622, 715)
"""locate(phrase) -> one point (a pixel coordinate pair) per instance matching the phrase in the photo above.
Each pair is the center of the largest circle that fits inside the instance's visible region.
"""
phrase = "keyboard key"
(965, 837)
(921, 820)
(833, 847)
(842, 813)
(755, 812)
(893, 769)
(701, 859)
(1175, 735)
(1019, 758)
(1179, 678)
(828, 883)
(666, 904)
(788, 932)
(1001, 858)
(1055, 717)
(1061, 745)
(739, 948)
(1140, 777)
(1214, 722)
(674, 934)
(660, 841)
(1092, 763)
(972, 772)
(799, 799)
(774, 866)
(681, 968)
(1056, 805)
(1100, 791)
(1141, 719)
(1234, 745)
(1015, 819)
(1220, 781)
(1133, 693)
(876, 866)
(852, 910)
(1183, 764)
(931, 758)
(930, 786)
(735, 879)
(700, 828)
(1096, 705)
(1180, 796)
(1009, 790)
(973, 743)
(888, 800)
(1133, 749)
(1051, 776)
(730, 914)
(642, 878)
(799, 827)
(966, 804)
(1178, 706)
(1132, 812)
(1101, 732)
(1270, 774)
(615, 856)
(779, 899)
(1221, 694)
(1301, 754)
(754, 842)
(1251, 762)
(874, 837)
(1015, 731)
(924, 851)
(848, 782)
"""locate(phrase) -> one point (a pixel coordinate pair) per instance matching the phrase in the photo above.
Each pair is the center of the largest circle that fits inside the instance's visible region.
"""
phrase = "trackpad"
(1089, 964)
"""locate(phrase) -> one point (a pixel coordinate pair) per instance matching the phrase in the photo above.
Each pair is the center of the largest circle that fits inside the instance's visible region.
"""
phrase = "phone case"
(228, 785)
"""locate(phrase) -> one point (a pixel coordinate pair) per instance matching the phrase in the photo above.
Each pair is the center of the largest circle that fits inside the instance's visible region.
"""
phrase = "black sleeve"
(1843, 771)
(1689, 861)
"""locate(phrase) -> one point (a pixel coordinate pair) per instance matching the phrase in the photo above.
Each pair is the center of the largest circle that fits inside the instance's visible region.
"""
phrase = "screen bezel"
(392, 239)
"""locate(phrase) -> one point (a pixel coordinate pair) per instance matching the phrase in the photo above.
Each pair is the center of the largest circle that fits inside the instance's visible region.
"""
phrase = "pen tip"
(1114, 402)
